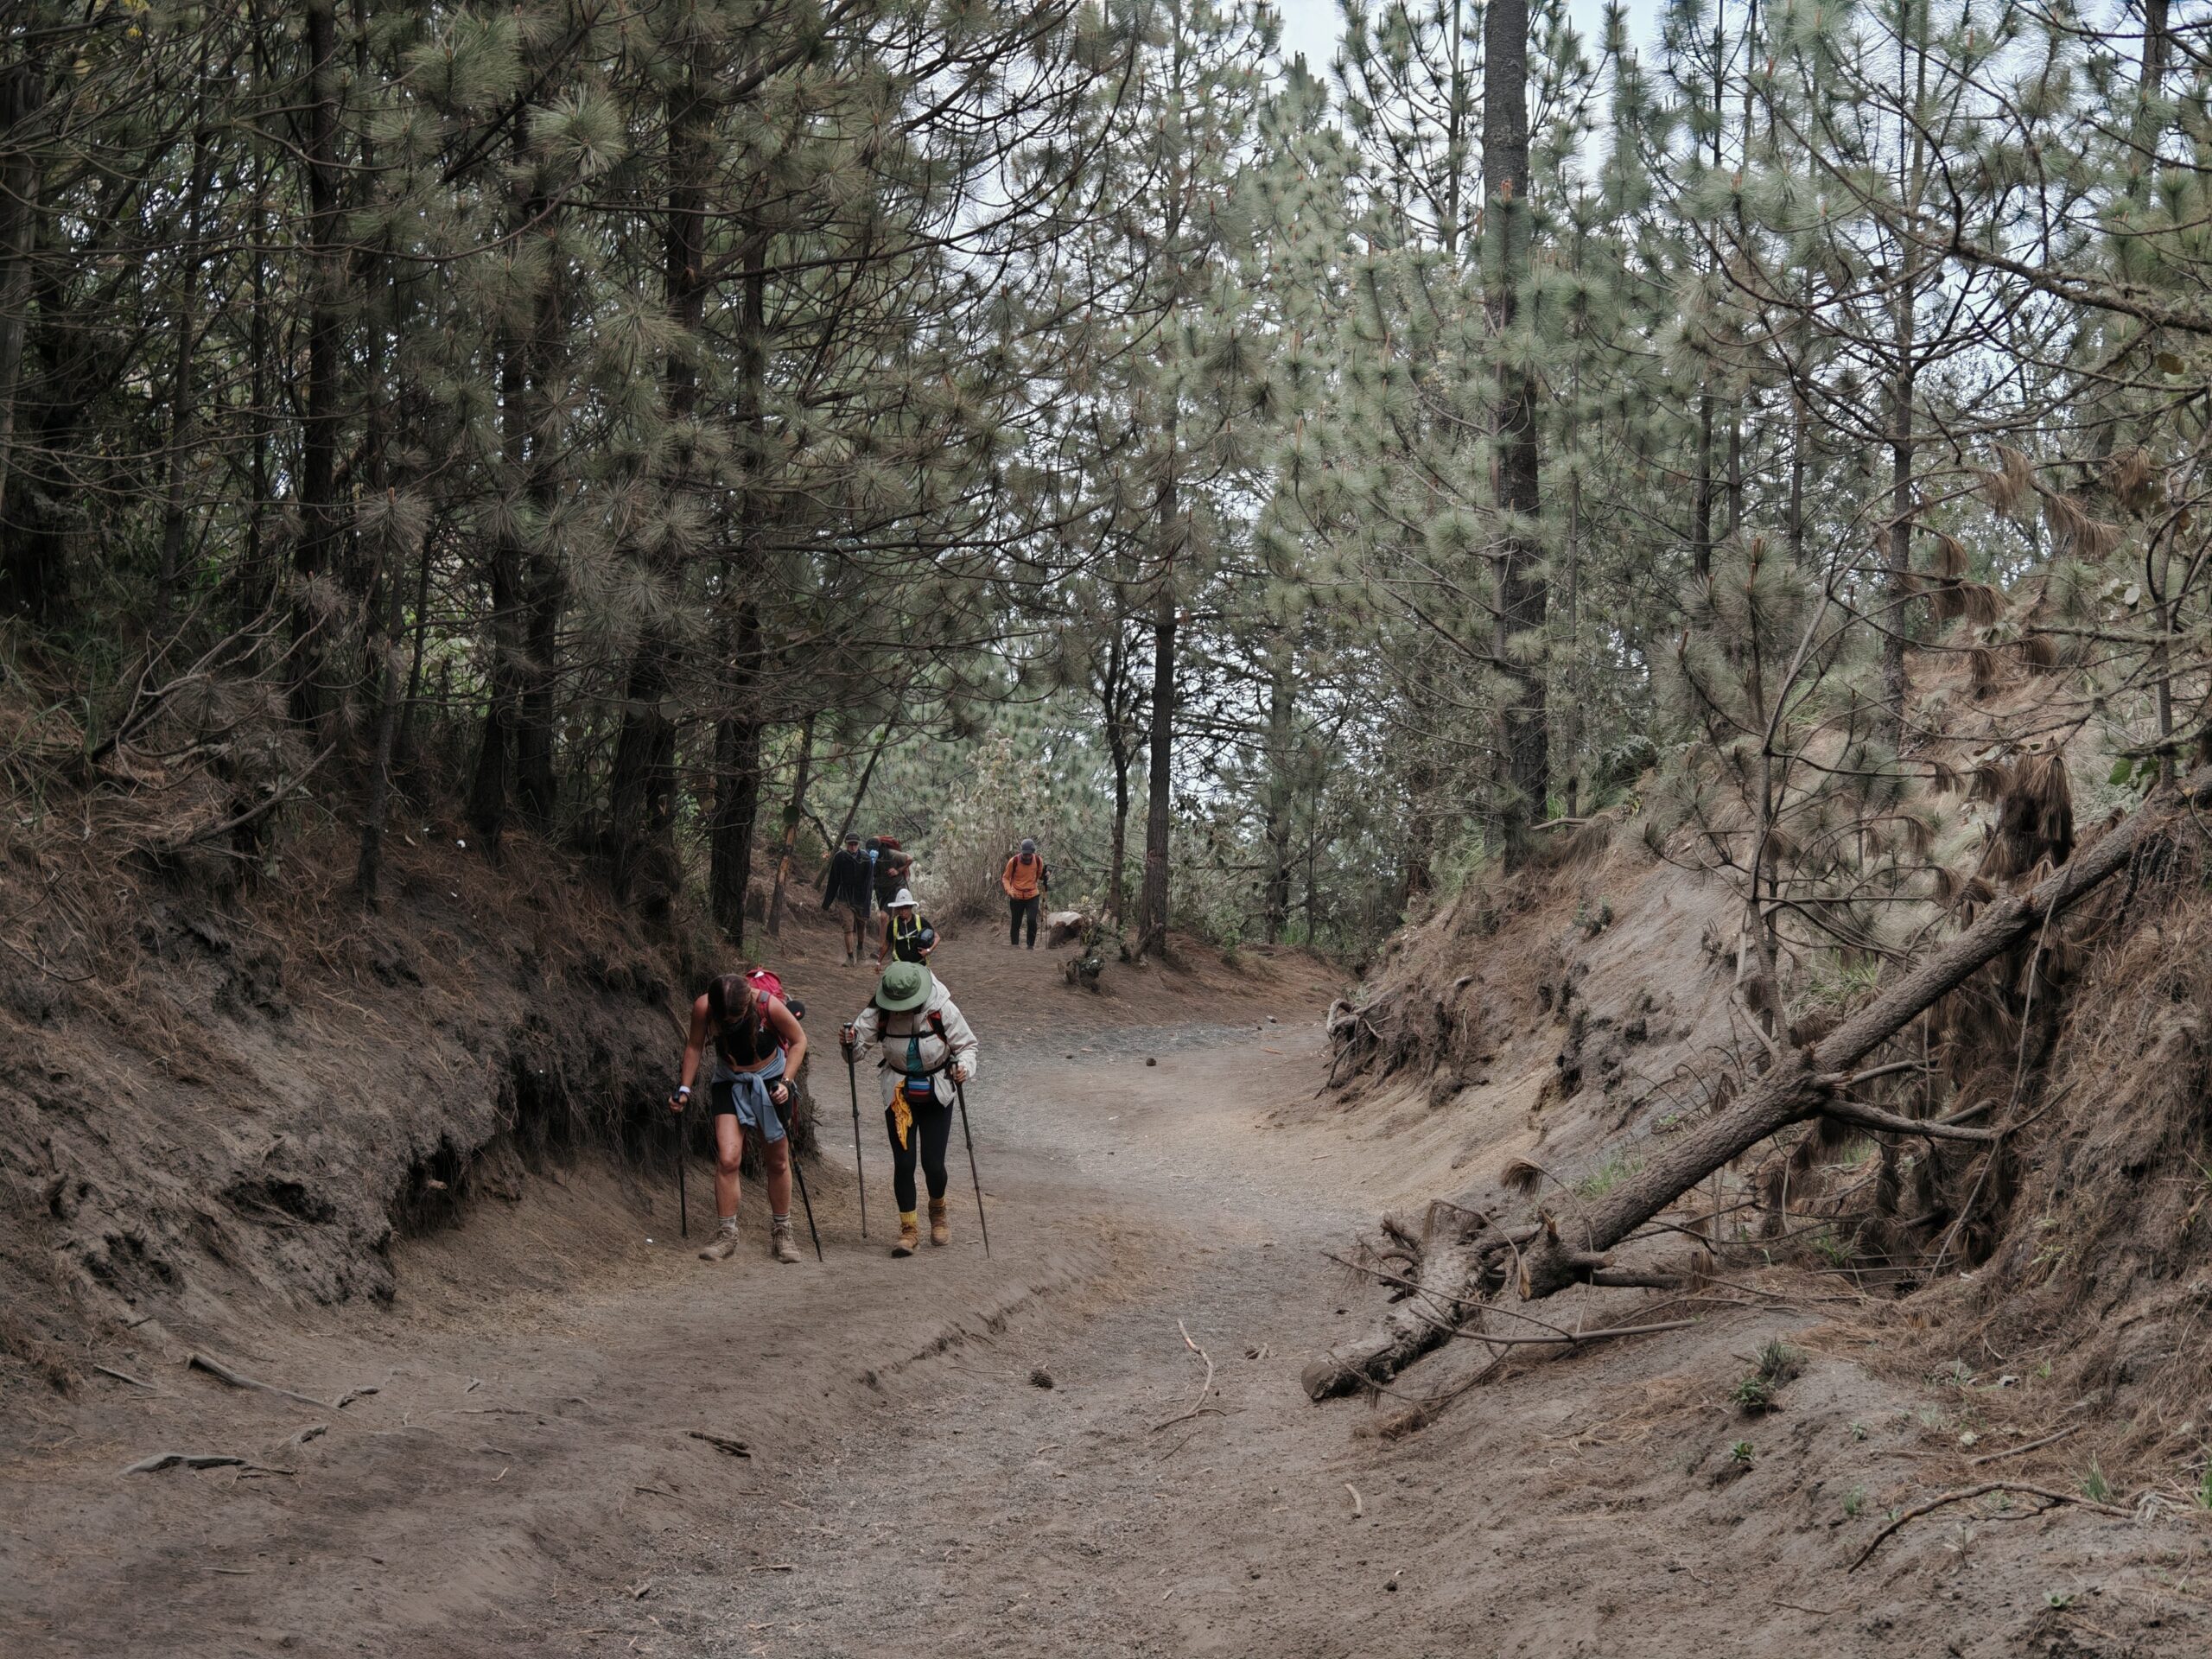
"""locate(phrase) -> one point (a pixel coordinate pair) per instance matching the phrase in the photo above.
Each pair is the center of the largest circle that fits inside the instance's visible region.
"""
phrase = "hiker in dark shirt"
(851, 887)
(894, 869)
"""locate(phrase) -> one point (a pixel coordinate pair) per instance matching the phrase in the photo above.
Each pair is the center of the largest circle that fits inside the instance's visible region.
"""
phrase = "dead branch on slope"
(2052, 1499)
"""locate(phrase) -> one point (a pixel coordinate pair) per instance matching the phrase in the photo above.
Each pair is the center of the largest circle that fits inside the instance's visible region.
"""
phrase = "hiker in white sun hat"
(907, 935)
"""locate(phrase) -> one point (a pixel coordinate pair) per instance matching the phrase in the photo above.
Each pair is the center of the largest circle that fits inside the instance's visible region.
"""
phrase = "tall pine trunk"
(1701, 495)
(737, 733)
(1117, 715)
(793, 814)
(1152, 927)
(1897, 559)
(1897, 556)
(1275, 899)
(24, 585)
(641, 790)
(1117, 879)
(737, 803)
(258, 592)
(1415, 743)
(1520, 596)
(1570, 726)
(368, 873)
(1794, 524)
(314, 699)
(182, 412)
(488, 788)
(383, 582)
(543, 589)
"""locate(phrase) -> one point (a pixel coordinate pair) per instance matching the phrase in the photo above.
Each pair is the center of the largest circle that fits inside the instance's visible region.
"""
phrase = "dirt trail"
(525, 1479)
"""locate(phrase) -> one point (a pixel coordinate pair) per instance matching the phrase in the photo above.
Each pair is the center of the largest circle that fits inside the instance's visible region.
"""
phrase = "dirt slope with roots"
(1541, 1031)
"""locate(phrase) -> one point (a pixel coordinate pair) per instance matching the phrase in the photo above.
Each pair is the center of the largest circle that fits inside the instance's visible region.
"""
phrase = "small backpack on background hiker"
(892, 866)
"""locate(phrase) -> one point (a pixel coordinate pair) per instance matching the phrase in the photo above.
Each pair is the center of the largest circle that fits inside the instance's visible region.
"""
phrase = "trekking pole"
(853, 1082)
(682, 1203)
(799, 1175)
(960, 1093)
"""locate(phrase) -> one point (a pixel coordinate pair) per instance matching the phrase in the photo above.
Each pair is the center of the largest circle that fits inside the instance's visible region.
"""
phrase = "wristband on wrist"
(684, 1091)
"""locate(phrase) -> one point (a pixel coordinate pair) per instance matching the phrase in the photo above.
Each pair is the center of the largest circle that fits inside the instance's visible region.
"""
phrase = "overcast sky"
(1309, 26)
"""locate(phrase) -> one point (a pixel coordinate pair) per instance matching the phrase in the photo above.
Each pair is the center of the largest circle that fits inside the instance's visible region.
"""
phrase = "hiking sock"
(783, 1220)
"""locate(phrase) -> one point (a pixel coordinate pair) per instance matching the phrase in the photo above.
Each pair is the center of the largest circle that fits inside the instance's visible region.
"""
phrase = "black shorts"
(725, 1099)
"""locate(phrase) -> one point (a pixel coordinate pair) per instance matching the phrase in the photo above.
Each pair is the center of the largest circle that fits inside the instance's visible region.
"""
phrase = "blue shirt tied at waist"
(747, 1095)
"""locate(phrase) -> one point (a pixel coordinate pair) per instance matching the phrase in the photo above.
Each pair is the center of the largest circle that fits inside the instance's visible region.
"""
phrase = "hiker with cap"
(759, 1045)
(1025, 880)
(906, 937)
(850, 886)
(927, 1047)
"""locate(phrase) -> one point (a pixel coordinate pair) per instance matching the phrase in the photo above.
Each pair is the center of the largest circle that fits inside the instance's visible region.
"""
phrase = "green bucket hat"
(904, 985)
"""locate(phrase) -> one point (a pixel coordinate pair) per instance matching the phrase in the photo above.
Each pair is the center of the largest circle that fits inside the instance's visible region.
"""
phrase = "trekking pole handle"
(681, 1098)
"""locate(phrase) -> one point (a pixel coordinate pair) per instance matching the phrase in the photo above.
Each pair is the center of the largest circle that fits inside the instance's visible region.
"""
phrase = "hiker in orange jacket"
(1025, 880)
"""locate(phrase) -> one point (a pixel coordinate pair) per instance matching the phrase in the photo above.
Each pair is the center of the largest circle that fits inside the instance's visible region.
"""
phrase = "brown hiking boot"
(781, 1244)
(940, 1229)
(910, 1234)
(724, 1244)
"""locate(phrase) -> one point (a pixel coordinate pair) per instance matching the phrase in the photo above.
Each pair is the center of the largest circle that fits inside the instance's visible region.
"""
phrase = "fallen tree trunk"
(1800, 1084)
(1409, 1330)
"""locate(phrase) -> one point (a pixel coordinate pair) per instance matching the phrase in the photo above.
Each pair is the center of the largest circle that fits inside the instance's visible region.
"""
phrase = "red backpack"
(766, 984)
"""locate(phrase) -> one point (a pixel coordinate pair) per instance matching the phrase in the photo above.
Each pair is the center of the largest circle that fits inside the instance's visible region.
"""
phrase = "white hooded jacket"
(889, 1031)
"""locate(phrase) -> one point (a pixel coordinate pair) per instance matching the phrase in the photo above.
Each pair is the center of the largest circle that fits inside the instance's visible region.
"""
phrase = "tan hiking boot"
(940, 1227)
(781, 1244)
(910, 1234)
(724, 1244)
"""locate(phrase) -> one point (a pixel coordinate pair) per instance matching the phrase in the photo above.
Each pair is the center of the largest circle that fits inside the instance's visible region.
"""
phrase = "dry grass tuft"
(1523, 1177)
(2035, 817)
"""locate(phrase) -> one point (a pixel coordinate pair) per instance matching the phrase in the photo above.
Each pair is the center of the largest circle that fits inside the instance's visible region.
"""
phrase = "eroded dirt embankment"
(252, 1099)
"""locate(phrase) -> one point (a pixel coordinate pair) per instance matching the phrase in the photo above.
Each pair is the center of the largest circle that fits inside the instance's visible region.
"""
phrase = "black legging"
(932, 1135)
(1021, 907)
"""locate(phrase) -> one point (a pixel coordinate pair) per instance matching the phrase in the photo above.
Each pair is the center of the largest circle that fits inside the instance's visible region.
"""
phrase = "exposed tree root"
(161, 1460)
(722, 1443)
(223, 1373)
(1965, 1492)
